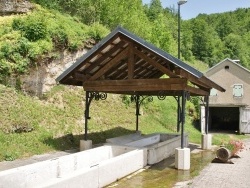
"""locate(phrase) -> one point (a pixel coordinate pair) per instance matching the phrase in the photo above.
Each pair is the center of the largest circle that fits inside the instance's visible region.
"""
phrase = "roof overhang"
(123, 63)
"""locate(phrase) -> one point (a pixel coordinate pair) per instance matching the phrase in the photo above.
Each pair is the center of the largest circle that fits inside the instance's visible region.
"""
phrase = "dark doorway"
(224, 118)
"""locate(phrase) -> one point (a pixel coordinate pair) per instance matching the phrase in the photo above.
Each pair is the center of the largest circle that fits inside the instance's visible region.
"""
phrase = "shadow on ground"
(71, 141)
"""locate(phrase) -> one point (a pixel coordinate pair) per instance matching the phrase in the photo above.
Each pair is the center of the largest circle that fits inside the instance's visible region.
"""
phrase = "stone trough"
(159, 145)
(95, 167)
(89, 169)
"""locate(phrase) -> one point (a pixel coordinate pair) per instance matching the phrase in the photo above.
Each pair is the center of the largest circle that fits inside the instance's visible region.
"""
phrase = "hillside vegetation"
(31, 125)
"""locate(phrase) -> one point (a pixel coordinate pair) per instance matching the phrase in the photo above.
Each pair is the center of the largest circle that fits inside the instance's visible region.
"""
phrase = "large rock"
(8, 7)
(41, 79)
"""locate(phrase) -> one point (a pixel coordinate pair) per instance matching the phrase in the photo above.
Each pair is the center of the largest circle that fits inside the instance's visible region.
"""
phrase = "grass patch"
(30, 126)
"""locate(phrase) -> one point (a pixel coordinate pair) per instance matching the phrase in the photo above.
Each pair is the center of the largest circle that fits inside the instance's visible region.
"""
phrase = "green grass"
(56, 121)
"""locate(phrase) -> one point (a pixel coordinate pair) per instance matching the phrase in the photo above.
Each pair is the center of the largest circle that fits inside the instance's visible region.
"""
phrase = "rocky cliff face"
(41, 79)
(8, 7)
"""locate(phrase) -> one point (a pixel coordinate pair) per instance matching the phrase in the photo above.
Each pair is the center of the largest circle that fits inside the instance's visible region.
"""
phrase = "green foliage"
(29, 38)
(219, 36)
(97, 31)
(155, 8)
(35, 31)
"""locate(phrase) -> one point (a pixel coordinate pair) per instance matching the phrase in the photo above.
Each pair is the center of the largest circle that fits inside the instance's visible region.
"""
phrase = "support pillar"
(178, 114)
(183, 117)
(182, 155)
(137, 113)
(182, 158)
(206, 139)
(85, 144)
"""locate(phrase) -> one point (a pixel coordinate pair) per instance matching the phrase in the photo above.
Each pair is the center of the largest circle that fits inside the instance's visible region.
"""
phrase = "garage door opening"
(224, 118)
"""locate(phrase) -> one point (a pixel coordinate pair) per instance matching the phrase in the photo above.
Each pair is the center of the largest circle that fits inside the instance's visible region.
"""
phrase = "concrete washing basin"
(89, 169)
(159, 145)
(95, 167)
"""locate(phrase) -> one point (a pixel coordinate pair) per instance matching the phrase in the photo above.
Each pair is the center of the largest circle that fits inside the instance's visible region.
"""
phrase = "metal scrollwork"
(133, 98)
(161, 95)
(97, 96)
(150, 99)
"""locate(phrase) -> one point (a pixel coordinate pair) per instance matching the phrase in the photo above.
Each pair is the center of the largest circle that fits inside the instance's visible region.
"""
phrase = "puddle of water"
(164, 174)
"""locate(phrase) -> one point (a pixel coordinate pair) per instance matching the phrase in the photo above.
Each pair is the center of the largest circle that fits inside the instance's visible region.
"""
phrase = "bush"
(18, 24)
(23, 46)
(35, 31)
(97, 31)
(60, 39)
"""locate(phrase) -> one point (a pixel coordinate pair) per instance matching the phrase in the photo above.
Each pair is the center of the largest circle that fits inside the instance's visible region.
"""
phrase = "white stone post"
(182, 158)
(206, 141)
(85, 144)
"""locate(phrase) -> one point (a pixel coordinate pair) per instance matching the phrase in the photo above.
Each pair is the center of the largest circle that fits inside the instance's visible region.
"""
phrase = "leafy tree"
(155, 8)
(224, 26)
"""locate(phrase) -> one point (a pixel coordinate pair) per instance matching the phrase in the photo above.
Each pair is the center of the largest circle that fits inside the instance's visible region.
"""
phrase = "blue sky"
(194, 7)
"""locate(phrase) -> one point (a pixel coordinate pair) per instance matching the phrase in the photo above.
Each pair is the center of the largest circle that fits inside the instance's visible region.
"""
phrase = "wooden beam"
(171, 84)
(110, 64)
(131, 61)
(212, 84)
(155, 64)
(104, 56)
(197, 91)
(191, 78)
(80, 77)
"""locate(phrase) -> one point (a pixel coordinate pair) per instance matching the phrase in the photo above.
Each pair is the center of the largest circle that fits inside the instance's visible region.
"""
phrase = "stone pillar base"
(206, 141)
(182, 158)
(85, 144)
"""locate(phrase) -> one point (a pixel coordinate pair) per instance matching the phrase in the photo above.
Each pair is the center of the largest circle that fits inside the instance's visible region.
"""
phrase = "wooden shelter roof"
(123, 63)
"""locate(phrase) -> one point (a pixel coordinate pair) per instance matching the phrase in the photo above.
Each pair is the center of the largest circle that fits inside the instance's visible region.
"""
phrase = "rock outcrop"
(8, 7)
(41, 79)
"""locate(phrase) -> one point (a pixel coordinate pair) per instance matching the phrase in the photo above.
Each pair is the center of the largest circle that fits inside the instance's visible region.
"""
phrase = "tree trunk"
(223, 154)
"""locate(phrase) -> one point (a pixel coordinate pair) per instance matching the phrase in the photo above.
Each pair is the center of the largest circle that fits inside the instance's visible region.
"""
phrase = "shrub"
(35, 31)
(60, 39)
(18, 24)
(235, 146)
(97, 31)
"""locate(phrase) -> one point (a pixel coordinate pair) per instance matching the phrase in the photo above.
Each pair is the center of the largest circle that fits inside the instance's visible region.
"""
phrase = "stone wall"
(41, 79)
(8, 7)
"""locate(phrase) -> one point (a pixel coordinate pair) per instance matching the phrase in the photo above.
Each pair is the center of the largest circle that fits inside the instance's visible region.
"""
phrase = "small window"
(226, 67)
(213, 92)
(238, 90)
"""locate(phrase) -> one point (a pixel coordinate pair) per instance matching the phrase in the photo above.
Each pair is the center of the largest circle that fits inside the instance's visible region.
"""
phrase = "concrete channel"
(95, 167)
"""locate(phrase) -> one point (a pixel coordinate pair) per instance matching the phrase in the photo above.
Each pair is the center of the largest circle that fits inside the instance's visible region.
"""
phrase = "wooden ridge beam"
(171, 84)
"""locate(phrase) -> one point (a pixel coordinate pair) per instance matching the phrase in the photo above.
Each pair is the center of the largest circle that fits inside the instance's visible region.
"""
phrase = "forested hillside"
(212, 38)
(59, 25)
(208, 38)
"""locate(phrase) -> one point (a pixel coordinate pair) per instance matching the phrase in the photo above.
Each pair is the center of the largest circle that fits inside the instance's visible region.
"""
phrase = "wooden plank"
(136, 85)
(110, 64)
(104, 56)
(202, 82)
(191, 78)
(197, 91)
(155, 64)
(80, 77)
(131, 62)
(212, 84)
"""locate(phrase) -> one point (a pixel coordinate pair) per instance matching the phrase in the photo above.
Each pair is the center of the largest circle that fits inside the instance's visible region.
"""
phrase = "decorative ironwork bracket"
(89, 97)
